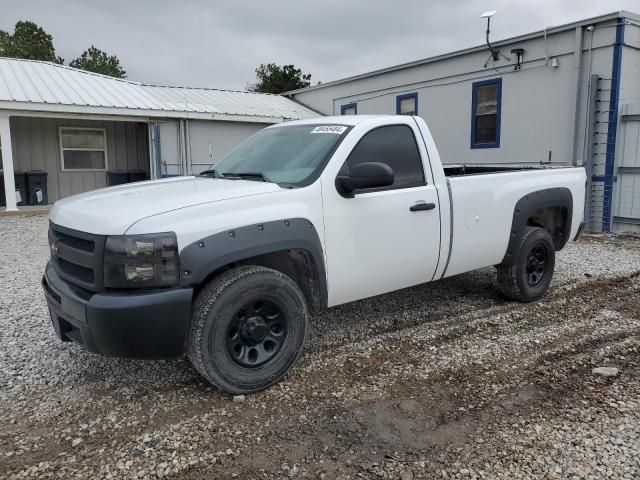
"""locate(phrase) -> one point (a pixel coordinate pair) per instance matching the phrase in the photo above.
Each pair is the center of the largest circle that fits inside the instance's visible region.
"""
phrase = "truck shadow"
(357, 321)
(345, 324)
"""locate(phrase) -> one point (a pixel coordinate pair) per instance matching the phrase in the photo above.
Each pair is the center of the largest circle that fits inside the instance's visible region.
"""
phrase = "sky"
(219, 43)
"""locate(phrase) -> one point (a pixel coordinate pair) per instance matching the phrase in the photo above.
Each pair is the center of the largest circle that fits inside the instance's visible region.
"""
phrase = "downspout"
(158, 157)
(155, 167)
(187, 146)
(182, 147)
(577, 54)
(614, 101)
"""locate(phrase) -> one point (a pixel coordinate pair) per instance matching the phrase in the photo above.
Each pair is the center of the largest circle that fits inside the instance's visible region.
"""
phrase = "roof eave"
(35, 108)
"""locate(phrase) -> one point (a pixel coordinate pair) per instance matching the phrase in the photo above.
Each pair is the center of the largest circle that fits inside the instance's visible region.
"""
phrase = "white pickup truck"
(228, 266)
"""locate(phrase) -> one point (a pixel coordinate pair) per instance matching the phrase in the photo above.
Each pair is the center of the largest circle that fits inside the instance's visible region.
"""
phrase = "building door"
(171, 163)
(209, 141)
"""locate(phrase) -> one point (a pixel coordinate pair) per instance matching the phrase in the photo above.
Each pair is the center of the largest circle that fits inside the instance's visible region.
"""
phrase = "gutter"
(578, 42)
(115, 112)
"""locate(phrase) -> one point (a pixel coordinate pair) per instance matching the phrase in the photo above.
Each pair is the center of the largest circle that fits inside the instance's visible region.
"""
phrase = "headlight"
(142, 261)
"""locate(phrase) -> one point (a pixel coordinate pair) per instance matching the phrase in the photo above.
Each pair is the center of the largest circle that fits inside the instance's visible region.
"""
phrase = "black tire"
(528, 279)
(231, 313)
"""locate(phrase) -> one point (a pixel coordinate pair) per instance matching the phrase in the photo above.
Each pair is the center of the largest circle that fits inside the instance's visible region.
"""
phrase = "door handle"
(422, 206)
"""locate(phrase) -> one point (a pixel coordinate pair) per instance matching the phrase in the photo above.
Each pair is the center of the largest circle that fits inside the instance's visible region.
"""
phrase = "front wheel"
(247, 329)
(528, 279)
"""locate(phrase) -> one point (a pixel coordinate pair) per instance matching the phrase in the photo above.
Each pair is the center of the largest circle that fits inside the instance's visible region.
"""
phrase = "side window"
(485, 114)
(394, 145)
(349, 109)
(407, 104)
(83, 148)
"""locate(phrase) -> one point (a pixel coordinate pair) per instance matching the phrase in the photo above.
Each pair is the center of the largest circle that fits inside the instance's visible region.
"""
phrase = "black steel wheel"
(536, 264)
(247, 329)
(530, 276)
(256, 333)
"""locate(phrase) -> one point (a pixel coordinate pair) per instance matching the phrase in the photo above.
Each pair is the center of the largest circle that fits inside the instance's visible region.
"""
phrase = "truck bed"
(482, 209)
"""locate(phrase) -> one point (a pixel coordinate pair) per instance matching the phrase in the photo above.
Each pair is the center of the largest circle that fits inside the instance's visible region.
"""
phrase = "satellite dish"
(495, 53)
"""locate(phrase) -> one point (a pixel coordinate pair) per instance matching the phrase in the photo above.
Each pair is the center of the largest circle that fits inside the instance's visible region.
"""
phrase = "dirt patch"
(440, 421)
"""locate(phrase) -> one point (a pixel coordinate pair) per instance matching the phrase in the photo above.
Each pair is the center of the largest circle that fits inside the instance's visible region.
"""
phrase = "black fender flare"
(527, 206)
(203, 257)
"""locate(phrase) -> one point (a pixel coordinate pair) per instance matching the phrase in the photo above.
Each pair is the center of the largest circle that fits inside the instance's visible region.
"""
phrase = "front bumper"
(149, 324)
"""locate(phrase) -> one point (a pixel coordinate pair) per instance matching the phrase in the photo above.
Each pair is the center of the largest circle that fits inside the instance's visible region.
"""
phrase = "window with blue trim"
(349, 109)
(407, 104)
(486, 105)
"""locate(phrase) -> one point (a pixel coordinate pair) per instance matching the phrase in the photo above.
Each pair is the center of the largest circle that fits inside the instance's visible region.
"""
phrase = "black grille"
(75, 242)
(83, 274)
(78, 256)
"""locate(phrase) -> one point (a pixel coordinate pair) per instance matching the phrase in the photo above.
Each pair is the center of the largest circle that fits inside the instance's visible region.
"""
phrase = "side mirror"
(365, 175)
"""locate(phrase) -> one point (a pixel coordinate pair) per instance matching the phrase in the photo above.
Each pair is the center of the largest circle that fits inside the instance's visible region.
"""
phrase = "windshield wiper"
(247, 175)
(210, 173)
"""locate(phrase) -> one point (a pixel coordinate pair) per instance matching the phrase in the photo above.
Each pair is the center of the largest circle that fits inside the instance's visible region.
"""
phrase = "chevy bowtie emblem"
(54, 249)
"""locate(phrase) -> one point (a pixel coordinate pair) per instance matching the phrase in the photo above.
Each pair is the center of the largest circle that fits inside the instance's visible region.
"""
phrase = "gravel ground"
(438, 381)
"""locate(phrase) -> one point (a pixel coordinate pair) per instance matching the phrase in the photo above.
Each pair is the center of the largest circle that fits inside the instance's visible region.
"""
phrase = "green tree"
(4, 41)
(97, 61)
(273, 78)
(28, 41)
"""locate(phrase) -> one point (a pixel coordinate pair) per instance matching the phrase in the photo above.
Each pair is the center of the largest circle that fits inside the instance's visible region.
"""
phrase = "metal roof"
(48, 87)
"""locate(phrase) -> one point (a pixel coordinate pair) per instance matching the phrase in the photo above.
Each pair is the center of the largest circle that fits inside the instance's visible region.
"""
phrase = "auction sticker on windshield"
(337, 129)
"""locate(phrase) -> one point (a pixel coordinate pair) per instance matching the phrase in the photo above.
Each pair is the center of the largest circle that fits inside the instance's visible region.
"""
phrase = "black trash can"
(117, 177)
(37, 187)
(137, 175)
(21, 189)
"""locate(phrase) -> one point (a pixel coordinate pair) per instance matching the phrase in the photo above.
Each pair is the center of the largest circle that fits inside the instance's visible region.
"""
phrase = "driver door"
(387, 238)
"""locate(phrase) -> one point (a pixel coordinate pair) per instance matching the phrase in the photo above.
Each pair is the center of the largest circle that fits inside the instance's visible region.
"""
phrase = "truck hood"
(111, 211)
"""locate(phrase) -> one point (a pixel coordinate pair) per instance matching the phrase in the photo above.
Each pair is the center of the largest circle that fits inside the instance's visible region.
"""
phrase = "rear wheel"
(247, 329)
(528, 279)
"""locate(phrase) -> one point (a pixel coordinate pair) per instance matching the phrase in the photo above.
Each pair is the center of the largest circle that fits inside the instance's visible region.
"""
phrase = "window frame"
(406, 96)
(424, 182)
(63, 148)
(474, 105)
(347, 106)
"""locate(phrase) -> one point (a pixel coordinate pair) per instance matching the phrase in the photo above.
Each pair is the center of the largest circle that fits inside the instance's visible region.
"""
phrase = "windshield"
(289, 154)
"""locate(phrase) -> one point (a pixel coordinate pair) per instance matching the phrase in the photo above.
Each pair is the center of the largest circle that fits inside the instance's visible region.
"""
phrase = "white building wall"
(626, 211)
(544, 112)
(538, 101)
